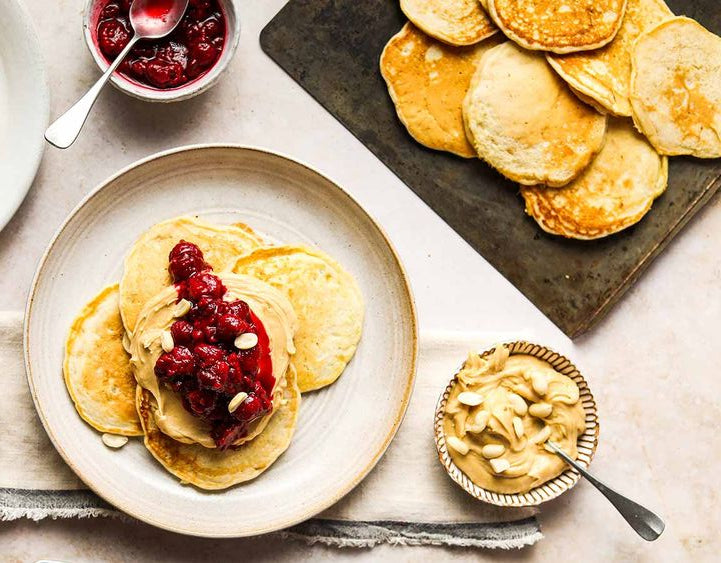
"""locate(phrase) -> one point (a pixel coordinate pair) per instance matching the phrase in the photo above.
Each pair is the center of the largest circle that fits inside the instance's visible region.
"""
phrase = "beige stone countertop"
(654, 363)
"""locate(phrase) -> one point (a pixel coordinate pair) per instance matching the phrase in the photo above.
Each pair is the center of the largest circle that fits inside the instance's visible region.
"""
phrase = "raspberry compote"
(187, 53)
(205, 367)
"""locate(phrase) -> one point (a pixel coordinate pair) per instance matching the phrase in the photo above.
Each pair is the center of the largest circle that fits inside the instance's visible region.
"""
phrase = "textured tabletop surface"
(653, 363)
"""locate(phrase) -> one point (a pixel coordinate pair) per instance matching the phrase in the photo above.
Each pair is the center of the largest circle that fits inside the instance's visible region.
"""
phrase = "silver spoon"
(150, 19)
(643, 521)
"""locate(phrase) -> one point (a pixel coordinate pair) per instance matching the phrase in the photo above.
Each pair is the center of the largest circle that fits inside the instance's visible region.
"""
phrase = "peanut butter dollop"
(501, 412)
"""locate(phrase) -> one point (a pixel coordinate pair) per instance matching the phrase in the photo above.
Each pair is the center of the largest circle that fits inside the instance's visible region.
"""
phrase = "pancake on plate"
(456, 22)
(97, 369)
(427, 81)
(146, 265)
(206, 374)
(214, 469)
(603, 76)
(560, 26)
(326, 300)
(676, 88)
(613, 193)
(524, 121)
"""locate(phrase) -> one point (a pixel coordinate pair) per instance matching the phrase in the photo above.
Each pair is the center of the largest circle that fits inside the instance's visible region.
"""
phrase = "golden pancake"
(97, 367)
(524, 121)
(427, 81)
(146, 266)
(613, 193)
(604, 75)
(456, 22)
(560, 26)
(327, 301)
(676, 88)
(214, 469)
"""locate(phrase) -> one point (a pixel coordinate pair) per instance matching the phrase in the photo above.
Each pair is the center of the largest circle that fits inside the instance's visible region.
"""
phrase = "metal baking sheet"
(332, 47)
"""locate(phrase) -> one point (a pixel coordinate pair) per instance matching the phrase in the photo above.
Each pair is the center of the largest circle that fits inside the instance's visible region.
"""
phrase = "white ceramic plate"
(342, 430)
(24, 107)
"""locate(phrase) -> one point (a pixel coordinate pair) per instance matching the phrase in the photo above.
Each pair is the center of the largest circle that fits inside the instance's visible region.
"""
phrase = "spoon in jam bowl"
(643, 521)
(149, 19)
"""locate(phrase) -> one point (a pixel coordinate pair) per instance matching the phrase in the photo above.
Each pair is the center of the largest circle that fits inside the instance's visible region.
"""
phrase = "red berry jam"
(186, 54)
(205, 367)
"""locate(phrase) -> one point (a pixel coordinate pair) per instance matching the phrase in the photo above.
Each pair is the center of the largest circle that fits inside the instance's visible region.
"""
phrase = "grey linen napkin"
(407, 499)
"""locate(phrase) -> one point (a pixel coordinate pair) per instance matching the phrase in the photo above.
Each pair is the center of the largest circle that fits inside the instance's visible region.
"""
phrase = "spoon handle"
(66, 128)
(643, 521)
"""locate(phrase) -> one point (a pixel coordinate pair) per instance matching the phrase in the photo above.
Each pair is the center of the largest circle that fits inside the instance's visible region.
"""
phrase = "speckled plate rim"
(587, 441)
(314, 506)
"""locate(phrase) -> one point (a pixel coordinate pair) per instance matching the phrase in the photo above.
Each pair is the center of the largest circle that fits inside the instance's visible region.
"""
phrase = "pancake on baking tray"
(603, 76)
(456, 22)
(524, 121)
(676, 88)
(427, 81)
(560, 26)
(613, 193)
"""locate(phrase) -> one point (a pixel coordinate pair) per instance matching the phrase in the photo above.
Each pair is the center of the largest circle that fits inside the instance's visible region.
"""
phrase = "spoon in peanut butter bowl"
(149, 19)
(643, 521)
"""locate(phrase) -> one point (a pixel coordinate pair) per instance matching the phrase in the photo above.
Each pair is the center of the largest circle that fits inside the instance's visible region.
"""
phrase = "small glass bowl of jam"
(176, 67)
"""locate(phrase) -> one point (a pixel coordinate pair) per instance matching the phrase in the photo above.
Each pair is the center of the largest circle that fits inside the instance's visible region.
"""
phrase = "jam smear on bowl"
(223, 383)
(187, 53)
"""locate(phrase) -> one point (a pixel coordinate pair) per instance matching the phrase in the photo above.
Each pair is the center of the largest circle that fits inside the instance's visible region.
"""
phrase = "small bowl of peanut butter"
(496, 415)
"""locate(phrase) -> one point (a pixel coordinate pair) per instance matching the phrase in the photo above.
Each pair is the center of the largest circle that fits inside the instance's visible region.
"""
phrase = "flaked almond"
(542, 435)
(539, 381)
(246, 341)
(499, 465)
(166, 341)
(470, 399)
(480, 421)
(490, 451)
(518, 404)
(518, 427)
(481, 418)
(114, 440)
(540, 410)
(457, 444)
(148, 340)
(236, 401)
(181, 308)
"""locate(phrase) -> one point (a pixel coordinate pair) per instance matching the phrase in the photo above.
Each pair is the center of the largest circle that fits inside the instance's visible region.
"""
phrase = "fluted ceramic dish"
(342, 430)
(551, 489)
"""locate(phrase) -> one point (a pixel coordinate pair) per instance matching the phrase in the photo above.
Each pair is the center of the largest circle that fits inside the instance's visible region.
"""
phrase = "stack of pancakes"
(102, 378)
(578, 101)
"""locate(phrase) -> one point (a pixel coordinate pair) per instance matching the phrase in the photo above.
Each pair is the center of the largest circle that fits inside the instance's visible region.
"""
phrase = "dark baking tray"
(331, 48)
